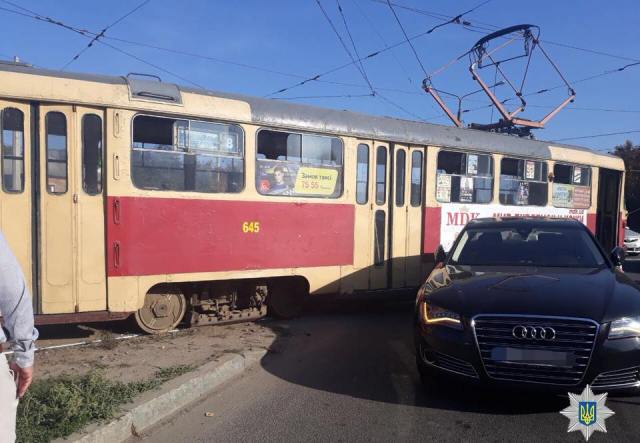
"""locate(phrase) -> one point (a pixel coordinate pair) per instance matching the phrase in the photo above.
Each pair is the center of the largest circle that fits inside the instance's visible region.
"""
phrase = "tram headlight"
(435, 315)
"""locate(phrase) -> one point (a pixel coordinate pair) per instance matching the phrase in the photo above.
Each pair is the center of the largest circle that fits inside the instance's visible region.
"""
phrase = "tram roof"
(312, 118)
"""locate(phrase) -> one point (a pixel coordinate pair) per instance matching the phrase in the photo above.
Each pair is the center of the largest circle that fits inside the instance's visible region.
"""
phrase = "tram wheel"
(285, 298)
(162, 311)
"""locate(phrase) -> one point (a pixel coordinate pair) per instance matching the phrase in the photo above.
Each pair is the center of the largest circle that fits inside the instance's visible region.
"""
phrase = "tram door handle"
(75, 198)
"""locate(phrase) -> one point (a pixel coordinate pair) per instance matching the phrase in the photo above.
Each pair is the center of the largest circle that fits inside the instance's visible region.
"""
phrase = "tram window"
(416, 178)
(381, 175)
(562, 174)
(56, 129)
(12, 150)
(303, 165)
(378, 253)
(571, 186)
(523, 182)
(400, 176)
(362, 174)
(92, 154)
(187, 155)
(464, 177)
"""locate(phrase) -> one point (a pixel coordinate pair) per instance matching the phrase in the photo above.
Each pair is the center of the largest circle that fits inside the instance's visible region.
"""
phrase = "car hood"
(598, 294)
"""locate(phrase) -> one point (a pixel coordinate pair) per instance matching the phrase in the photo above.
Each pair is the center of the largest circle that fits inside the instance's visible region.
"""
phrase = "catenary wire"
(400, 107)
(383, 40)
(487, 27)
(374, 54)
(357, 58)
(354, 60)
(353, 45)
(635, 131)
(404, 32)
(102, 33)
(303, 97)
(34, 15)
(89, 35)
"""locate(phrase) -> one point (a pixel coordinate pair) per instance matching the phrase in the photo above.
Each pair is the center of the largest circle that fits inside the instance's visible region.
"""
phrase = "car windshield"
(530, 246)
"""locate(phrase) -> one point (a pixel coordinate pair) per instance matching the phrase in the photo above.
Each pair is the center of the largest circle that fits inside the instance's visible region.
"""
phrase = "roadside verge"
(154, 406)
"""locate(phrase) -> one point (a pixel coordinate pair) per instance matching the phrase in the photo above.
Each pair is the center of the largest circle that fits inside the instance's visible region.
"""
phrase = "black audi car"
(530, 302)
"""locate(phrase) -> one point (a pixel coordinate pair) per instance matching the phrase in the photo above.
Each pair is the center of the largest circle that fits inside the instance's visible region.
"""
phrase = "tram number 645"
(251, 227)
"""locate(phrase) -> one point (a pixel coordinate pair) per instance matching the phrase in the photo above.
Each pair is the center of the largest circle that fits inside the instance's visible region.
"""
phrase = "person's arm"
(17, 316)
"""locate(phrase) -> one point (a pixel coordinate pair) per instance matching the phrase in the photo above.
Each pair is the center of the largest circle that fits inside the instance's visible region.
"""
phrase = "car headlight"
(625, 327)
(431, 314)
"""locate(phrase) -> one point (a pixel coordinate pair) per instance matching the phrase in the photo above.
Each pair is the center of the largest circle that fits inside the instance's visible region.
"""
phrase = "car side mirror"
(617, 256)
(440, 255)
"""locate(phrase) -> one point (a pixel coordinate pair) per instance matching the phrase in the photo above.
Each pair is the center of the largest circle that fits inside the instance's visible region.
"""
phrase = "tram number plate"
(251, 227)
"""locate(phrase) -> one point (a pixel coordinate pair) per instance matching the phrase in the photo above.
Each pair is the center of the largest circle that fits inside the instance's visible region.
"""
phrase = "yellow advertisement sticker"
(316, 181)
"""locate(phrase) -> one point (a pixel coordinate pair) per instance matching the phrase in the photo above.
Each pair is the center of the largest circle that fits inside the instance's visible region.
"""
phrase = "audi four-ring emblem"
(533, 332)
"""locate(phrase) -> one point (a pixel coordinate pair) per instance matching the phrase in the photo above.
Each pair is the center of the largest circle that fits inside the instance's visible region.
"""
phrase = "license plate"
(532, 356)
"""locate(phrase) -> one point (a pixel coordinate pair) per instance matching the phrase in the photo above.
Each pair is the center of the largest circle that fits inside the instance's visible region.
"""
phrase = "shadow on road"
(365, 350)
(81, 332)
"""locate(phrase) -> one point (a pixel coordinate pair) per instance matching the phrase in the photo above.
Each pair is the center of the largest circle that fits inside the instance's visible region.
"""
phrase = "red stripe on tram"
(150, 236)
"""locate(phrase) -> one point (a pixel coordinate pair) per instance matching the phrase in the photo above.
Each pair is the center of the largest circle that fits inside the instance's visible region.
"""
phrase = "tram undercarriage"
(203, 303)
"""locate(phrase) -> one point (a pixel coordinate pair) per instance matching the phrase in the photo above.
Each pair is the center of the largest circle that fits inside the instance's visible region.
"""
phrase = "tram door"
(608, 208)
(16, 191)
(405, 222)
(72, 266)
(380, 179)
(396, 216)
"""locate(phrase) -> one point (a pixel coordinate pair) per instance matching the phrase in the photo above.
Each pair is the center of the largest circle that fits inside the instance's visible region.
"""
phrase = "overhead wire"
(27, 13)
(634, 131)
(413, 49)
(179, 52)
(400, 107)
(304, 97)
(353, 44)
(481, 27)
(383, 40)
(373, 54)
(355, 59)
(573, 108)
(102, 33)
(89, 35)
(488, 27)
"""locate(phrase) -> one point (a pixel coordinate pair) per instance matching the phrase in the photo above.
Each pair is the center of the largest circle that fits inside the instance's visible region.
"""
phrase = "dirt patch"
(141, 357)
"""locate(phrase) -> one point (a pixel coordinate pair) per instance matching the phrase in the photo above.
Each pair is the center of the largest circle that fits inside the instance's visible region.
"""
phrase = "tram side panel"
(156, 236)
(520, 187)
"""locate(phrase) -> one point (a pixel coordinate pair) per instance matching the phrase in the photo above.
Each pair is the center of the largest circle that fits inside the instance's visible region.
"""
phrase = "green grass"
(57, 407)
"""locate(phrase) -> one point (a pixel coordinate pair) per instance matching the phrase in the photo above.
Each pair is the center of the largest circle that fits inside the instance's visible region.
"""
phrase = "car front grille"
(574, 338)
(622, 378)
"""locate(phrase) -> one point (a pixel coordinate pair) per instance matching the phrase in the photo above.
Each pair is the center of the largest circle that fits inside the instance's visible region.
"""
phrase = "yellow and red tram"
(128, 195)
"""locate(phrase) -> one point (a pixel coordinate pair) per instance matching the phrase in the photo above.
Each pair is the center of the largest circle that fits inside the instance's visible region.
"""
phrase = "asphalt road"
(350, 376)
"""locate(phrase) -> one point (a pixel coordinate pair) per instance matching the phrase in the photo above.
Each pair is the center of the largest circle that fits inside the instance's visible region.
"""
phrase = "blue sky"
(286, 41)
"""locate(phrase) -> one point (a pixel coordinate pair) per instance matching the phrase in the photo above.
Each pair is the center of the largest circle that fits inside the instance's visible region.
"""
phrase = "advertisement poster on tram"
(443, 188)
(466, 189)
(530, 172)
(571, 196)
(291, 178)
(455, 216)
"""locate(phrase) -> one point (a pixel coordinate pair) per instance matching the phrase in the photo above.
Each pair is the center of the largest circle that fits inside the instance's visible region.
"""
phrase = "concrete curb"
(154, 406)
